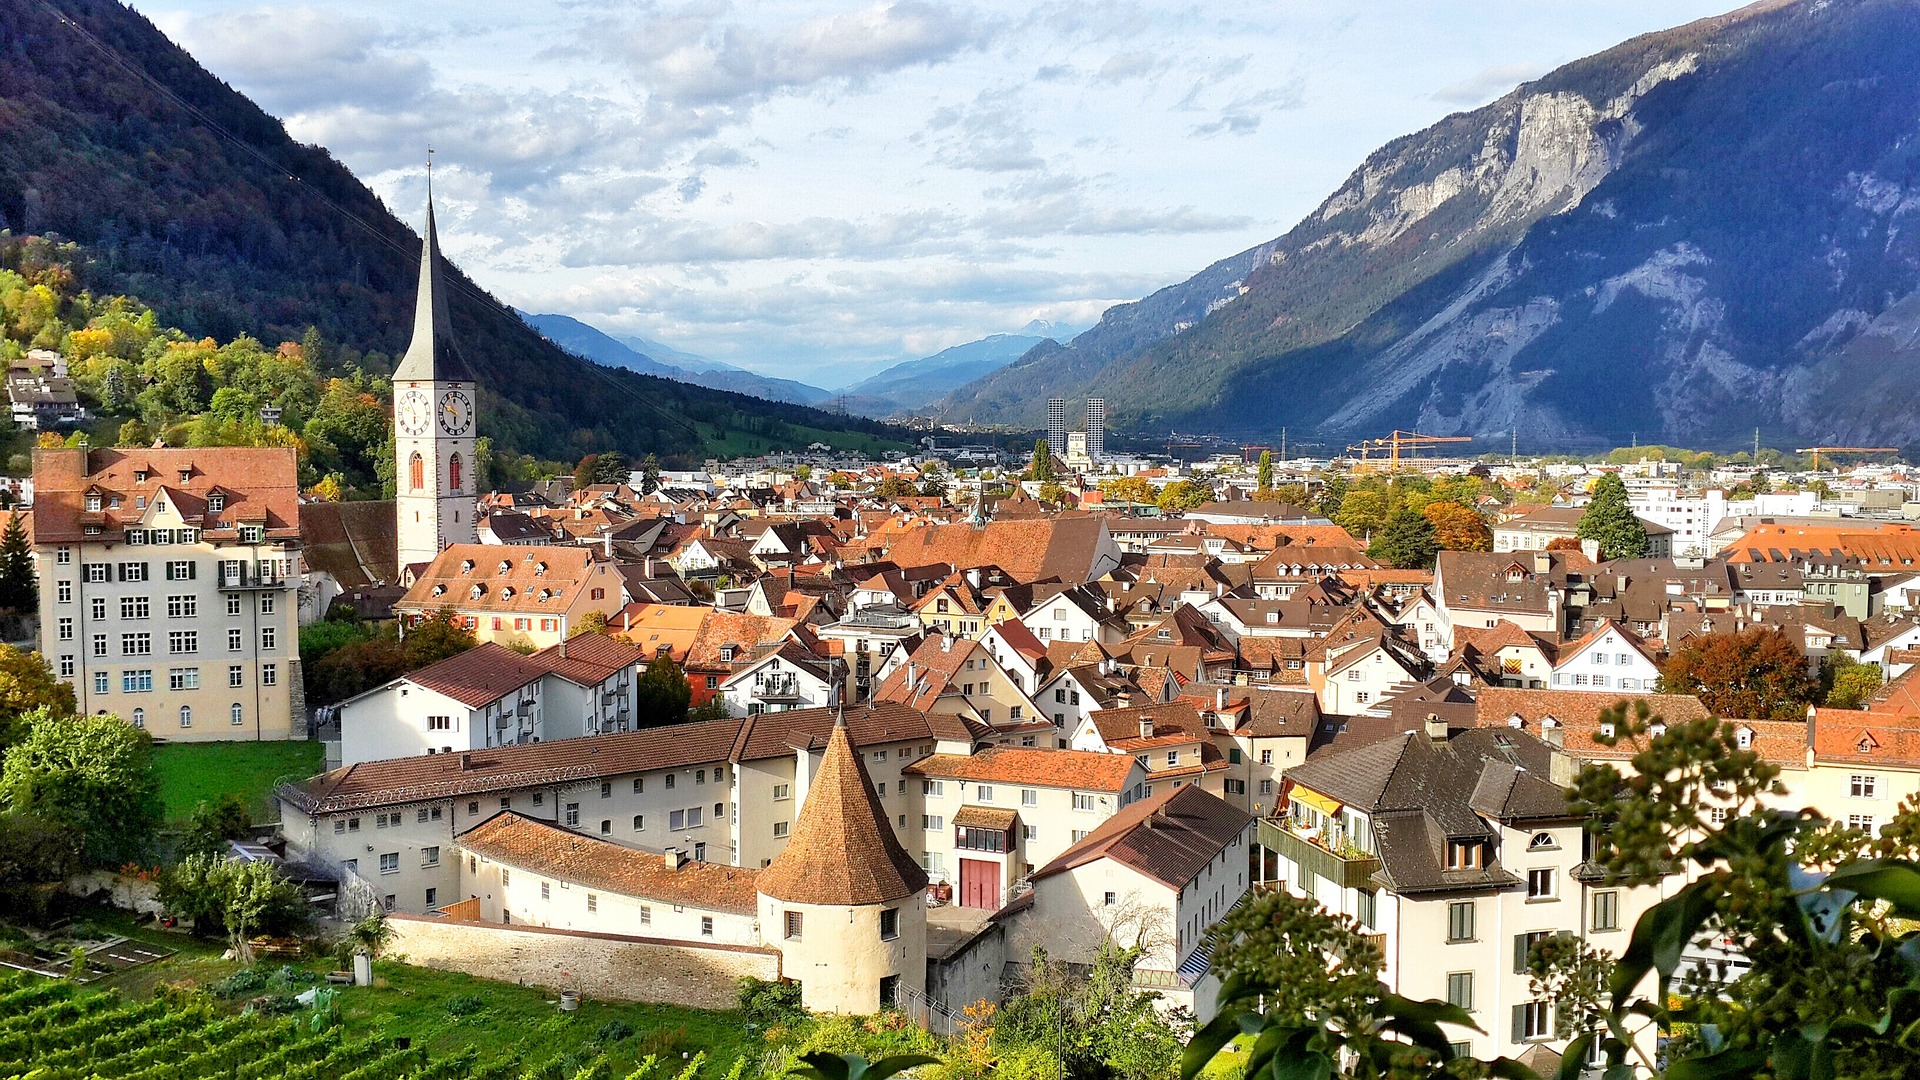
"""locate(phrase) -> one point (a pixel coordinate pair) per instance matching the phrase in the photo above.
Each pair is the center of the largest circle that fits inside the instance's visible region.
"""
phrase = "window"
(1029, 797)
(66, 628)
(780, 829)
(236, 714)
(1861, 786)
(1030, 832)
(1523, 948)
(453, 472)
(984, 792)
(639, 823)
(136, 644)
(691, 818)
(1540, 884)
(430, 856)
(1606, 910)
(1465, 854)
(97, 606)
(1862, 822)
(573, 815)
(183, 607)
(796, 922)
(1531, 1021)
(606, 789)
(136, 607)
(546, 890)
(234, 640)
(639, 784)
(140, 721)
(646, 915)
(782, 792)
(66, 665)
(933, 822)
(1083, 801)
(269, 674)
(183, 641)
(706, 926)
(670, 779)
(935, 788)
(1460, 989)
(593, 902)
(133, 571)
(439, 723)
(180, 570)
(132, 681)
(267, 603)
(100, 682)
(1460, 920)
(889, 923)
(416, 472)
(268, 637)
(390, 863)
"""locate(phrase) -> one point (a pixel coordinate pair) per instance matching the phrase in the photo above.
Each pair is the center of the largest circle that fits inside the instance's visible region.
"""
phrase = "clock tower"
(433, 424)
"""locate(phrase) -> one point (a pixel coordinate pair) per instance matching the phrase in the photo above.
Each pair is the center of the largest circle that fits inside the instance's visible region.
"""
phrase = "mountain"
(182, 192)
(911, 384)
(667, 354)
(1693, 234)
(582, 340)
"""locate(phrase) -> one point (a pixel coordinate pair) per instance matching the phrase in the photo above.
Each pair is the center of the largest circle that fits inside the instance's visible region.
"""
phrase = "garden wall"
(609, 966)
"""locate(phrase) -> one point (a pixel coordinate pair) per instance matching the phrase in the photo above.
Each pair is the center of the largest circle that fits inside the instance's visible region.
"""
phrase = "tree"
(1183, 495)
(1457, 528)
(1609, 521)
(802, 473)
(1362, 512)
(661, 693)
(239, 899)
(1848, 684)
(1127, 489)
(934, 486)
(1054, 494)
(611, 468)
(1097, 1021)
(16, 568)
(433, 640)
(1265, 471)
(211, 825)
(1754, 674)
(650, 474)
(585, 471)
(1407, 541)
(1042, 467)
(593, 622)
(895, 487)
(93, 774)
(28, 685)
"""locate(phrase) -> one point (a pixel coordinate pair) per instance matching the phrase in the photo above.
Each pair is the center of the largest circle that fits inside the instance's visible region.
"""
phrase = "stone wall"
(126, 893)
(608, 966)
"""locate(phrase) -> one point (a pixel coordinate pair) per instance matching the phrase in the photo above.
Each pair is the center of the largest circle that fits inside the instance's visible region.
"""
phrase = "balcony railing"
(251, 578)
(777, 690)
(1345, 864)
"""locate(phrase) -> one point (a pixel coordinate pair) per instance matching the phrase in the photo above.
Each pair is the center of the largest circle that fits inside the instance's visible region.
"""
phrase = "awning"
(985, 817)
(1319, 802)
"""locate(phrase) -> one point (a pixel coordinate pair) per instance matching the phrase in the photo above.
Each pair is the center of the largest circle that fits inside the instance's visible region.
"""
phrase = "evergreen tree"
(1408, 541)
(1610, 521)
(1042, 468)
(16, 568)
(661, 693)
(650, 474)
(1266, 470)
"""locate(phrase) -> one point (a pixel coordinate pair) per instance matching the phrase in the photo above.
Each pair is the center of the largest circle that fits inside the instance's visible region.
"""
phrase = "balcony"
(1341, 863)
(246, 578)
(777, 691)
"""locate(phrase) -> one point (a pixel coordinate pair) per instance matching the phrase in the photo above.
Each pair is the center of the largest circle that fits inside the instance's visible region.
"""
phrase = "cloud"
(1488, 83)
(296, 58)
(662, 242)
(695, 55)
(1122, 67)
(992, 134)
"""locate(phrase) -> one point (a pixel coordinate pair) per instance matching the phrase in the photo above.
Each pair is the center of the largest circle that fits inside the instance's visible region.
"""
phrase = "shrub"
(769, 1003)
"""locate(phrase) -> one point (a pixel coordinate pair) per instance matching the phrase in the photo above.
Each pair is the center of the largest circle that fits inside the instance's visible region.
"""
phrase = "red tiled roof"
(843, 850)
(485, 673)
(1170, 837)
(550, 851)
(588, 659)
(260, 485)
(1865, 738)
(541, 580)
(1083, 769)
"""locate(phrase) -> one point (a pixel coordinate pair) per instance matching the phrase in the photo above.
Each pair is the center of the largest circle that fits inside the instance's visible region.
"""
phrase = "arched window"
(139, 718)
(237, 714)
(417, 472)
(453, 472)
(186, 716)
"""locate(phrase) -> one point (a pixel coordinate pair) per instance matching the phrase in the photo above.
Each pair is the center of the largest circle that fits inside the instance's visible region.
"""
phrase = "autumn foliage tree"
(1755, 674)
(1458, 528)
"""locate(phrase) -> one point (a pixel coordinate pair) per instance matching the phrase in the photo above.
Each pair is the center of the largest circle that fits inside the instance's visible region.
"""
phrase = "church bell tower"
(433, 423)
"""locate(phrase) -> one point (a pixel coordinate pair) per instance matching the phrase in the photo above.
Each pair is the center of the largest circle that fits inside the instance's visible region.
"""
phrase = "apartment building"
(514, 595)
(169, 587)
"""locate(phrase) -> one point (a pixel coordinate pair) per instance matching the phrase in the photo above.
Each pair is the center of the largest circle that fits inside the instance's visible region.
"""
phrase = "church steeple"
(432, 356)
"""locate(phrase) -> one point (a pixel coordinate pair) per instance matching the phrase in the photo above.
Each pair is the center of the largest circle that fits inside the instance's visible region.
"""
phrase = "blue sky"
(809, 189)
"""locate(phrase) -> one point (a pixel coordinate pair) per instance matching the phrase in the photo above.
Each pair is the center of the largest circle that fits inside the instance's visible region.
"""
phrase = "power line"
(212, 125)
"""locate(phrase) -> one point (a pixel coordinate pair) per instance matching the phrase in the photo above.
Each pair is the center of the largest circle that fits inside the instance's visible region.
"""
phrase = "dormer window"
(1657, 730)
(1466, 855)
(506, 593)
(1606, 729)
(1865, 745)
(466, 566)
(216, 502)
(539, 569)
(476, 592)
(726, 654)
(186, 475)
(505, 566)
(1743, 737)
(251, 534)
(546, 595)
(93, 504)
(439, 590)
(139, 476)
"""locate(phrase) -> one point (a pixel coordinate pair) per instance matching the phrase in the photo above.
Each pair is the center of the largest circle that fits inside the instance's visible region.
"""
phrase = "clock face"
(414, 413)
(456, 413)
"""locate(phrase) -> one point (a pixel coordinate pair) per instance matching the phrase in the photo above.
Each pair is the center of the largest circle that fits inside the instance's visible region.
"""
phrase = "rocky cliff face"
(1692, 234)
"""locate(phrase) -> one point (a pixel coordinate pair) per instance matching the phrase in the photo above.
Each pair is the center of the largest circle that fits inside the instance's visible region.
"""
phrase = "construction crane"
(1816, 451)
(1394, 442)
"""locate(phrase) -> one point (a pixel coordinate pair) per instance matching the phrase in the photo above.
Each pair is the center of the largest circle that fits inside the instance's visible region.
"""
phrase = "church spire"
(432, 356)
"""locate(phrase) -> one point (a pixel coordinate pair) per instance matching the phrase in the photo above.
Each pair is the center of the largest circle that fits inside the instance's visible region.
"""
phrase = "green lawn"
(192, 773)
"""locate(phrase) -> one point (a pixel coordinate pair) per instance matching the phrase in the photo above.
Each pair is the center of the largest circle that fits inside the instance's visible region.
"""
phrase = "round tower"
(844, 903)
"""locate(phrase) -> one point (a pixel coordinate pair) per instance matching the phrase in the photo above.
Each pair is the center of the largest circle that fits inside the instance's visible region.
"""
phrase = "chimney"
(626, 619)
(466, 761)
(1220, 698)
(1146, 727)
(673, 858)
(974, 577)
(1555, 736)
(1436, 728)
(1542, 562)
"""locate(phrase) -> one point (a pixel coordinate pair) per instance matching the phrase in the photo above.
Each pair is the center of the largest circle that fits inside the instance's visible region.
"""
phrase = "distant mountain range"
(1693, 234)
(582, 340)
(898, 389)
(180, 191)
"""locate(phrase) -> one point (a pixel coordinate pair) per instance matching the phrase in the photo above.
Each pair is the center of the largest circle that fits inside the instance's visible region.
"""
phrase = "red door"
(979, 884)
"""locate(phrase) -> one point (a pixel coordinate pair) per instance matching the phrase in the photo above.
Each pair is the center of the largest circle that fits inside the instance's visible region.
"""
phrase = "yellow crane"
(1816, 451)
(1394, 442)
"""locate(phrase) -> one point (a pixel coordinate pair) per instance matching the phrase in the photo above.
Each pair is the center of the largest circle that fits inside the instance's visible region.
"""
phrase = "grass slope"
(192, 773)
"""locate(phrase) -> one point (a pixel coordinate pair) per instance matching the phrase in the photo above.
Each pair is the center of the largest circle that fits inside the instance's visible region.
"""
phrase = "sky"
(812, 190)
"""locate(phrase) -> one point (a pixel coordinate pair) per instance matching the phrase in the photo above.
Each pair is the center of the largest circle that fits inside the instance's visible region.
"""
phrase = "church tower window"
(417, 472)
(453, 473)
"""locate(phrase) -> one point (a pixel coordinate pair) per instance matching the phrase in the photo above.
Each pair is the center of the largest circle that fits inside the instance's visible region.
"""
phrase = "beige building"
(513, 595)
(169, 587)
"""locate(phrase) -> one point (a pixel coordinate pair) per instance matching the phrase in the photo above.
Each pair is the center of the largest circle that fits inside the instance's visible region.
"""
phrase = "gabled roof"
(842, 851)
(564, 855)
(1169, 837)
(1087, 770)
(481, 675)
(588, 659)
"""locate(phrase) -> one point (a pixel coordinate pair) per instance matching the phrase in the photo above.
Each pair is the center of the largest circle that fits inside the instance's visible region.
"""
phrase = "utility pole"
(1283, 446)
(1756, 446)
(1513, 455)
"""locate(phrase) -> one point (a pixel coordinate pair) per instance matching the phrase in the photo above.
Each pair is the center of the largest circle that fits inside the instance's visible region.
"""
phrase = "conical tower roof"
(432, 354)
(842, 851)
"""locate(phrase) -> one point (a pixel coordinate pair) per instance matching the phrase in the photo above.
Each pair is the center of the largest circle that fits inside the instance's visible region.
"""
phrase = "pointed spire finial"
(432, 355)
